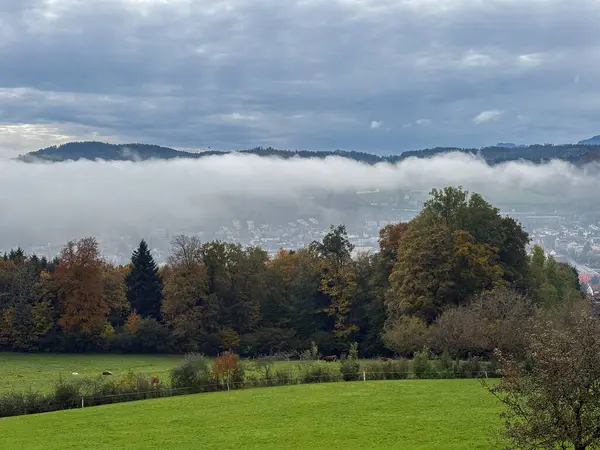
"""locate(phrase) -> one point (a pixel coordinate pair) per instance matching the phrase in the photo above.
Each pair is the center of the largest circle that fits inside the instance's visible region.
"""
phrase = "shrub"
(67, 394)
(318, 373)
(194, 373)
(350, 367)
(422, 364)
(407, 335)
(229, 338)
(310, 354)
(228, 371)
(18, 403)
(470, 368)
(283, 377)
(397, 369)
(445, 366)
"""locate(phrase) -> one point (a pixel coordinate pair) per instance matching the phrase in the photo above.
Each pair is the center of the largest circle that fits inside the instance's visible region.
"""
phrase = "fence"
(14, 404)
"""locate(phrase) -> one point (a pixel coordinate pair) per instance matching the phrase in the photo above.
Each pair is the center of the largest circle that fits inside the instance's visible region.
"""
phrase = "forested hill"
(575, 153)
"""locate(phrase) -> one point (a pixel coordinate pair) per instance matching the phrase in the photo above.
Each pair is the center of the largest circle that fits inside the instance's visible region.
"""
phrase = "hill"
(578, 154)
(594, 140)
(410, 414)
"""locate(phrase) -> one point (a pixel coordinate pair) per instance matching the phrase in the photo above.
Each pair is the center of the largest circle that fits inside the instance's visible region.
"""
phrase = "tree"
(338, 279)
(437, 268)
(460, 210)
(498, 319)
(144, 285)
(552, 398)
(335, 245)
(81, 286)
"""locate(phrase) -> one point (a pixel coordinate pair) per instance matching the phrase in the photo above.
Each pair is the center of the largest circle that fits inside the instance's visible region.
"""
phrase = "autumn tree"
(115, 293)
(144, 285)
(188, 308)
(80, 277)
(338, 279)
(436, 268)
(390, 238)
(552, 396)
(227, 369)
(460, 210)
(236, 276)
(292, 296)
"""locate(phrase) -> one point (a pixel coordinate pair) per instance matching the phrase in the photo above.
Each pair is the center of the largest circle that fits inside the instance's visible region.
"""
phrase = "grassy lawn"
(407, 414)
(39, 371)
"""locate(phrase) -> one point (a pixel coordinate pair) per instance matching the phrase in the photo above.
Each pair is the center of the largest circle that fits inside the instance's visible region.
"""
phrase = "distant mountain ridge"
(594, 140)
(578, 154)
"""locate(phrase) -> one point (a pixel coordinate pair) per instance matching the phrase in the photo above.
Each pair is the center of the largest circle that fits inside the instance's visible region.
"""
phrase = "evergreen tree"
(144, 285)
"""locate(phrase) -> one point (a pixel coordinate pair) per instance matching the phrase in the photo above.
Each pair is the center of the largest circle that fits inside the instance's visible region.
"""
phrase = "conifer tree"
(144, 285)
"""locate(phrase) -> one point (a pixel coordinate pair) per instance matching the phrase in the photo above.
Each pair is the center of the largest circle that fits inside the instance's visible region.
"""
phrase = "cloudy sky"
(372, 75)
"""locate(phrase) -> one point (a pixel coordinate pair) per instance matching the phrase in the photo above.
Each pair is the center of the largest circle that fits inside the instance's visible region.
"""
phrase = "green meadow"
(406, 414)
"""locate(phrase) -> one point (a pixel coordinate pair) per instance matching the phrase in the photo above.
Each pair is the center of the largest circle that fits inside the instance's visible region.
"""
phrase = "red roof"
(585, 278)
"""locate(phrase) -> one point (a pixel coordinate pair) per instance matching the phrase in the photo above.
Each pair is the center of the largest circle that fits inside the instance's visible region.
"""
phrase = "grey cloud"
(58, 202)
(312, 73)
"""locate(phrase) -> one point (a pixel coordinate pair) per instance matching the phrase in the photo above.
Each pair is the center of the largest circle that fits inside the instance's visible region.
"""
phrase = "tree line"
(456, 279)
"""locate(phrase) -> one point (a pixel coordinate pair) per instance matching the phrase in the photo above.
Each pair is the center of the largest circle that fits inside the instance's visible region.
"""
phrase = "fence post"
(82, 402)
(364, 376)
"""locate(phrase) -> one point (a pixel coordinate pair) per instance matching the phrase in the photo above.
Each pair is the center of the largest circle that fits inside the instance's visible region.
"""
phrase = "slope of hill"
(406, 414)
(594, 140)
(575, 153)
(109, 152)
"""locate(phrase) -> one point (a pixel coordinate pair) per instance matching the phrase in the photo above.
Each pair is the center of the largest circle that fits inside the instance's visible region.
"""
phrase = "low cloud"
(487, 116)
(57, 202)
(375, 124)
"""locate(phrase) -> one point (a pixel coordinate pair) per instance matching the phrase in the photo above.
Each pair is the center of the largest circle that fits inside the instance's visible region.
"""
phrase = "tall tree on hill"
(144, 285)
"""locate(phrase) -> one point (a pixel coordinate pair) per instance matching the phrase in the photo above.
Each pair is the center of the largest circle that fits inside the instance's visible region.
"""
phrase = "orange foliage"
(80, 278)
(133, 322)
(225, 365)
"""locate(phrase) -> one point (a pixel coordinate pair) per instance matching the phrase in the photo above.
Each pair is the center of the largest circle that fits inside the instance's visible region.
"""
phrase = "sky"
(381, 76)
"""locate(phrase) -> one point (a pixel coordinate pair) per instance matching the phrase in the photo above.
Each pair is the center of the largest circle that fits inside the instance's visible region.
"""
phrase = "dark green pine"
(144, 285)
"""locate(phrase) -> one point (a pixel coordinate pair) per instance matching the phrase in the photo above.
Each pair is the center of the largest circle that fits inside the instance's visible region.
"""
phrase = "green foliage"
(194, 373)
(67, 394)
(397, 369)
(349, 366)
(216, 296)
(144, 285)
(446, 367)
(422, 365)
(20, 403)
(471, 368)
(319, 372)
(312, 353)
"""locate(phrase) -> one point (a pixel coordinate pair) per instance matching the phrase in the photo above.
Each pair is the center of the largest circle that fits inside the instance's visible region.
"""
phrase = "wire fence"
(13, 404)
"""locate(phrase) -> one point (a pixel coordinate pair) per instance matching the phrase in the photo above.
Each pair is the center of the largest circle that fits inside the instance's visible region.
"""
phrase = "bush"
(422, 364)
(194, 373)
(446, 367)
(312, 354)
(227, 371)
(319, 373)
(283, 377)
(350, 367)
(18, 403)
(470, 368)
(67, 394)
(407, 335)
(397, 369)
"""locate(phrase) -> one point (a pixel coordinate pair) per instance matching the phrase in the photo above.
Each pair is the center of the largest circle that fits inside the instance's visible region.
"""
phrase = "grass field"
(406, 414)
(39, 371)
